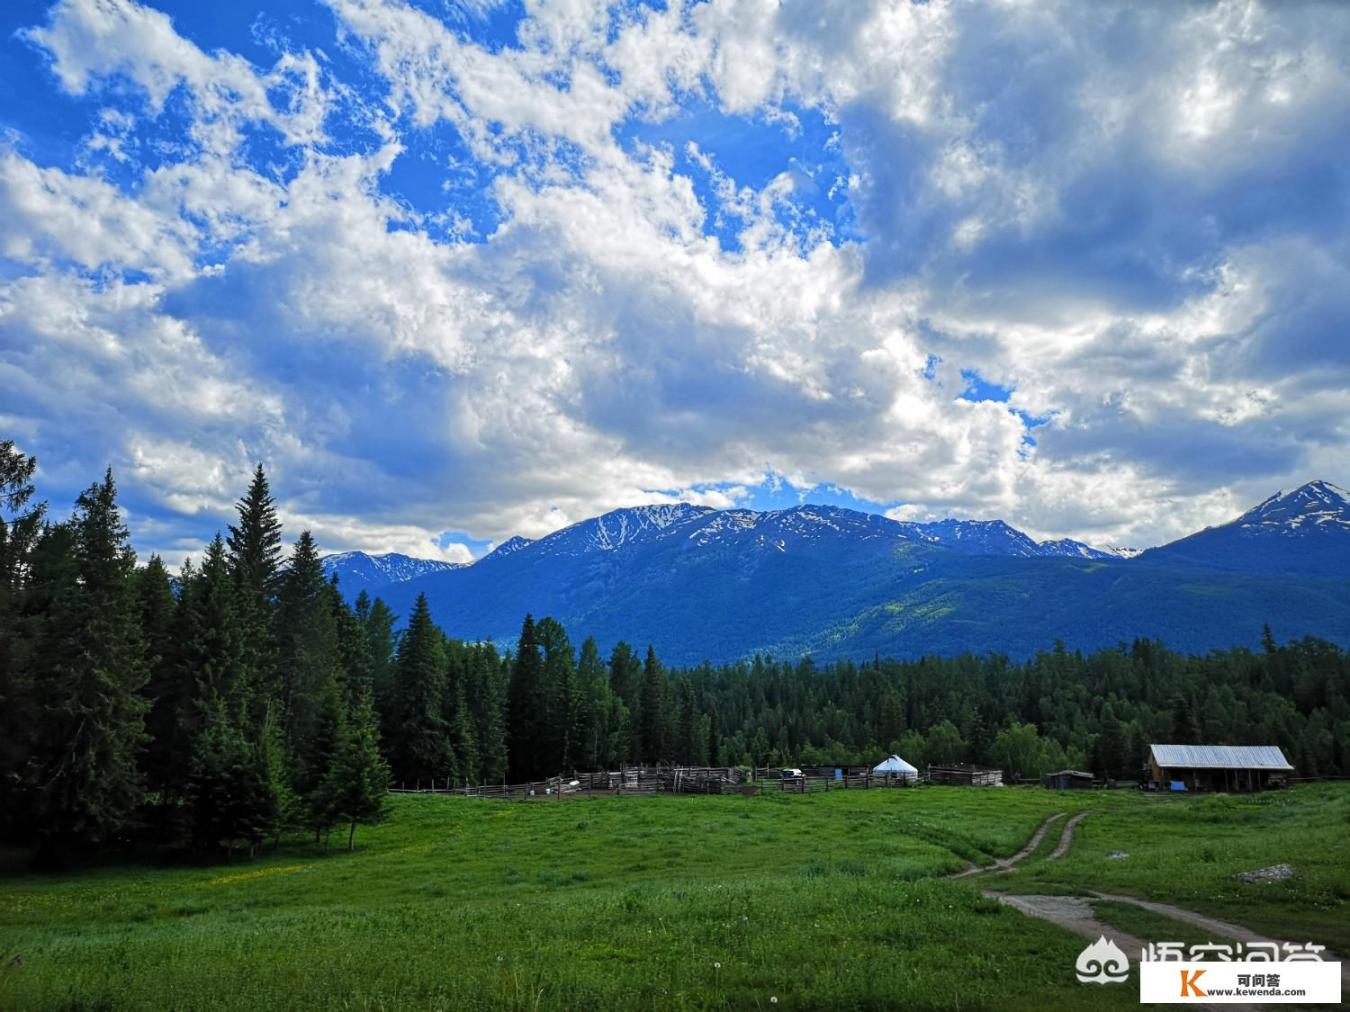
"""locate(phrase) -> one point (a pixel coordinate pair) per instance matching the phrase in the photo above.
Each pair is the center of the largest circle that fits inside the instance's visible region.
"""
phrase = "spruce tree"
(214, 656)
(527, 707)
(308, 660)
(625, 681)
(418, 748)
(161, 629)
(593, 714)
(1184, 730)
(225, 784)
(92, 715)
(377, 623)
(562, 700)
(654, 717)
(465, 761)
(354, 654)
(355, 789)
(20, 525)
(255, 559)
(1111, 745)
(20, 520)
(688, 748)
(280, 807)
(487, 700)
(316, 755)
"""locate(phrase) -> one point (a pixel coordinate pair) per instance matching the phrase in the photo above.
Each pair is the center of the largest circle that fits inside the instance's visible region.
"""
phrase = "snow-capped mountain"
(358, 571)
(1317, 508)
(703, 525)
(508, 547)
(1306, 529)
(977, 537)
(703, 583)
(1077, 550)
(620, 528)
(1121, 552)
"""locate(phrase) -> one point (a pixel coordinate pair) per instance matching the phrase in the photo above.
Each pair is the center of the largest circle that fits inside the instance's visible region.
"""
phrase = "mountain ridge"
(701, 583)
(357, 570)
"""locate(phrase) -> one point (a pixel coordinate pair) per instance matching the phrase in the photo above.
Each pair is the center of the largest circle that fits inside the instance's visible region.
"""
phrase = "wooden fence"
(649, 781)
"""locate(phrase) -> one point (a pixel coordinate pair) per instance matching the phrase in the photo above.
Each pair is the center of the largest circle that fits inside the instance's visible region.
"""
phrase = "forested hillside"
(841, 584)
(243, 697)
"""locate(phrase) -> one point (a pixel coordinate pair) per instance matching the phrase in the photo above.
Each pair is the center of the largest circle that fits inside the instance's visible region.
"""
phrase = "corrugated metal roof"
(1199, 757)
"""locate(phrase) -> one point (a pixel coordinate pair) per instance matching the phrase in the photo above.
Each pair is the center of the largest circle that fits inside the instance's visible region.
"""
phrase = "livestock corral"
(641, 781)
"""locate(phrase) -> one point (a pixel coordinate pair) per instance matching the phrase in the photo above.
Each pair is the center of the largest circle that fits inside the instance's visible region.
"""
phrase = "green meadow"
(1189, 852)
(832, 900)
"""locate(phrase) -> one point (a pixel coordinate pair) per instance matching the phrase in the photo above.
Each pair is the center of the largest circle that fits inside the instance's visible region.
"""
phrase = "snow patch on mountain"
(362, 568)
(1317, 506)
(508, 547)
(1121, 552)
(1075, 549)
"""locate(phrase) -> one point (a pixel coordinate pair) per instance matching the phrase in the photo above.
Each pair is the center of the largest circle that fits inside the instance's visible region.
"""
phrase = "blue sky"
(460, 270)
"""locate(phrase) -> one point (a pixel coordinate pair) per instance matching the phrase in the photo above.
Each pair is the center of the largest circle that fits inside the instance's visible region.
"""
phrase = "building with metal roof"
(1216, 767)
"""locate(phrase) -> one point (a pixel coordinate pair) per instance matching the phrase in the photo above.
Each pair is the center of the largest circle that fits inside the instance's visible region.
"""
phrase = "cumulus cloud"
(1126, 218)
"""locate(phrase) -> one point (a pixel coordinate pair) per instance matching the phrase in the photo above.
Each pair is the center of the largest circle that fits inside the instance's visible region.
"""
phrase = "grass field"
(834, 900)
(1189, 851)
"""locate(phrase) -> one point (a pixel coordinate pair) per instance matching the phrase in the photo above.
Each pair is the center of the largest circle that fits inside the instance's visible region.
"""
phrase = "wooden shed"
(1067, 780)
(1217, 767)
(961, 774)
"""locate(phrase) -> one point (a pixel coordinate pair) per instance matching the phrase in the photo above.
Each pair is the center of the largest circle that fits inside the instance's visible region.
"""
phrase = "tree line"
(244, 698)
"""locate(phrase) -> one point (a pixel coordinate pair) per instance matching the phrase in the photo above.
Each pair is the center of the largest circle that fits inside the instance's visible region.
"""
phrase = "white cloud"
(94, 41)
(1081, 203)
(50, 215)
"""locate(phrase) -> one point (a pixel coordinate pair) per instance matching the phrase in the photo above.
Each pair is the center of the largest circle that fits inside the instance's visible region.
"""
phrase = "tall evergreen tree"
(654, 716)
(1184, 729)
(315, 756)
(595, 713)
(255, 559)
(213, 657)
(377, 623)
(1109, 752)
(280, 807)
(92, 714)
(465, 765)
(688, 747)
(527, 706)
(564, 707)
(20, 524)
(20, 520)
(160, 625)
(419, 749)
(50, 590)
(625, 681)
(487, 700)
(354, 657)
(308, 659)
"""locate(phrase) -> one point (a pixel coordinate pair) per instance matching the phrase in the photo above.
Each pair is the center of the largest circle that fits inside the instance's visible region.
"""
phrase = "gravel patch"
(1275, 873)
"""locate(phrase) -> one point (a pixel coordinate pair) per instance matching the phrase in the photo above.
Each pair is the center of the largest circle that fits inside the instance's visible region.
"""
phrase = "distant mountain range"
(357, 571)
(700, 583)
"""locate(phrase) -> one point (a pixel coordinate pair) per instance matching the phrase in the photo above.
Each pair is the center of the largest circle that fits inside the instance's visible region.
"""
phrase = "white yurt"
(896, 767)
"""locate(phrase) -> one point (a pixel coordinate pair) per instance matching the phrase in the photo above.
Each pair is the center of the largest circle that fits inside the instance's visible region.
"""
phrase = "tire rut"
(1077, 915)
(1006, 863)
(1066, 837)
